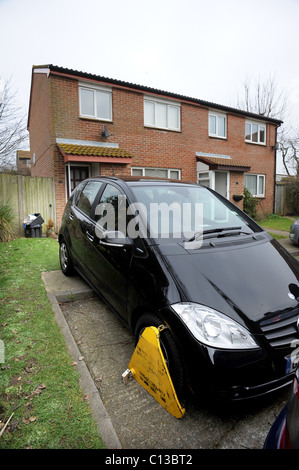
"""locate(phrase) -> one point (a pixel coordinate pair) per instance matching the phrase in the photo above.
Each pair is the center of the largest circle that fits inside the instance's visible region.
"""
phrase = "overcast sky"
(199, 48)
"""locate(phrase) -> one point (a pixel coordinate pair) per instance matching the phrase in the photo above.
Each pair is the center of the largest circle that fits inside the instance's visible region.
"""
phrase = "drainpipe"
(69, 178)
(275, 163)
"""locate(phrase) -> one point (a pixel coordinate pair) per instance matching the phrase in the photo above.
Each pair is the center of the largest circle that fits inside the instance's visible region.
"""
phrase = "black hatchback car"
(164, 252)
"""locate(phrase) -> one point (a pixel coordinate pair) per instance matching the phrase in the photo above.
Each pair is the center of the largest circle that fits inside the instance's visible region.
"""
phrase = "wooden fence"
(283, 204)
(28, 195)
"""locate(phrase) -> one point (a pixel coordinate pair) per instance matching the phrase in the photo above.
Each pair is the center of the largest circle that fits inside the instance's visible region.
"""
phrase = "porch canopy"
(93, 153)
(222, 163)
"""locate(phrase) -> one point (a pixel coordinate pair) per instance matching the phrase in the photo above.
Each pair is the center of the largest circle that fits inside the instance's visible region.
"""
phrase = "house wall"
(39, 125)
(55, 114)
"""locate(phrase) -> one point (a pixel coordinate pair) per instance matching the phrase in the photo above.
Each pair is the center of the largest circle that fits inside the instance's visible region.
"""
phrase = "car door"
(108, 263)
(80, 215)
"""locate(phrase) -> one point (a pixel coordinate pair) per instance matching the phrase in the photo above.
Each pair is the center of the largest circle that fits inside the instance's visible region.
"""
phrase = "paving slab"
(290, 246)
(66, 288)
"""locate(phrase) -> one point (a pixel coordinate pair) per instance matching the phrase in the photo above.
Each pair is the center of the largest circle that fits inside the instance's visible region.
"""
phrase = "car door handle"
(71, 215)
(89, 236)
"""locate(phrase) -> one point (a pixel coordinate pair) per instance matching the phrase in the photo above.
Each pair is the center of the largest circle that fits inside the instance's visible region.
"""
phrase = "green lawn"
(39, 388)
(276, 222)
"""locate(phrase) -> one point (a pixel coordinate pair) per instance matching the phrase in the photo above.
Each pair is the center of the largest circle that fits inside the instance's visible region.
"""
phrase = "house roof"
(216, 163)
(76, 73)
(93, 153)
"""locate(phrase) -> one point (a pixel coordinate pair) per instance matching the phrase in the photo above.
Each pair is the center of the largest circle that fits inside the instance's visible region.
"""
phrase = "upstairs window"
(95, 102)
(255, 132)
(217, 125)
(162, 114)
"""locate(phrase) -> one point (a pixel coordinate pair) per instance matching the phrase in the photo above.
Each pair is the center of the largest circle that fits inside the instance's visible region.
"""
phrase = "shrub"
(292, 196)
(249, 203)
(50, 231)
(7, 216)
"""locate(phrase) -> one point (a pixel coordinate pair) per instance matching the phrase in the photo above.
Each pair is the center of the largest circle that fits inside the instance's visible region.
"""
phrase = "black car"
(284, 433)
(179, 254)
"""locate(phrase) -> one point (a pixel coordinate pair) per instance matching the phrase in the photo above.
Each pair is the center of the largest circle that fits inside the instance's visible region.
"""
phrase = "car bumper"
(243, 392)
(238, 376)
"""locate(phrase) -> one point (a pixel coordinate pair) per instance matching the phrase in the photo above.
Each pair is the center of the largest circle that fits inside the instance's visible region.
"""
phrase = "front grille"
(281, 329)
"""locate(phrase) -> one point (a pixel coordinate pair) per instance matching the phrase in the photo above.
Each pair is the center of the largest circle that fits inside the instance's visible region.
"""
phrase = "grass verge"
(39, 388)
(276, 222)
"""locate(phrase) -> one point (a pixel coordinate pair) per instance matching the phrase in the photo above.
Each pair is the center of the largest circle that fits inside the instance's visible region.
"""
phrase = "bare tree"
(13, 130)
(263, 97)
(288, 145)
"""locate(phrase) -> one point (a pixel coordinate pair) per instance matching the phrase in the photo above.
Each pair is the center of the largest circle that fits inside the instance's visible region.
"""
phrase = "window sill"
(162, 129)
(87, 118)
(255, 143)
(217, 137)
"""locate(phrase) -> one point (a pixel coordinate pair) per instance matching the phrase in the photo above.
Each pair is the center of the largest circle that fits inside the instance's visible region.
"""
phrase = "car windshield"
(184, 211)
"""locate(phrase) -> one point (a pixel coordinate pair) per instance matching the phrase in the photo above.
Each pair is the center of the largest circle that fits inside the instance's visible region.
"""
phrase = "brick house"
(82, 125)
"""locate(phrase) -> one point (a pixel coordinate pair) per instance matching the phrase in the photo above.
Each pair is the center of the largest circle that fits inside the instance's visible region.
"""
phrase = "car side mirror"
(116, 238)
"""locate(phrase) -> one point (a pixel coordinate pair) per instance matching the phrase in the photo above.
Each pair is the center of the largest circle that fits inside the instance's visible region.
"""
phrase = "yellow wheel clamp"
(148, 367)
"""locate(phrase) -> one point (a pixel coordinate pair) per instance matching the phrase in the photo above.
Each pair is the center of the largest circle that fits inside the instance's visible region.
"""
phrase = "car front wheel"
(169, 349)
(66, 263)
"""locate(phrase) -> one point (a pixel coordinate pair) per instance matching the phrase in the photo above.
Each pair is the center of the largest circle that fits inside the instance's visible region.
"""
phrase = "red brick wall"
(41, 140)
(150, 147)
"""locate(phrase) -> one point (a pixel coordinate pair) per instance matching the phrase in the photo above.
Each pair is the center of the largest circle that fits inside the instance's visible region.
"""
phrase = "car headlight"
(214, 328)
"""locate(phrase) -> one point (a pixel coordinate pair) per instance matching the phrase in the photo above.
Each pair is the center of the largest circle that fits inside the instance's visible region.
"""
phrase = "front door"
(221, 183)
(74, 176)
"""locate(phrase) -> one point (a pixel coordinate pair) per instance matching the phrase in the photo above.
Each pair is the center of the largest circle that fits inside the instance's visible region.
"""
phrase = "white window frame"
(259, 126)
(217, 116)
(94, 89)
(154, 168)
(168, 104)
(204, 176)
(258, 176)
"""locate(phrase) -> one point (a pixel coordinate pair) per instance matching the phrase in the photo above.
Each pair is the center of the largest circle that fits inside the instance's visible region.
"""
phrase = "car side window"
(87, 197)
(112, 209)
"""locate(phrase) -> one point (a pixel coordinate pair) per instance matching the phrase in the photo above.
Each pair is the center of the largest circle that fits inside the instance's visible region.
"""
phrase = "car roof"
(142, 179)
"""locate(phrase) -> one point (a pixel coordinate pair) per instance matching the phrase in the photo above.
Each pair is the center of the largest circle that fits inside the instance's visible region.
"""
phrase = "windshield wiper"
(218, 232)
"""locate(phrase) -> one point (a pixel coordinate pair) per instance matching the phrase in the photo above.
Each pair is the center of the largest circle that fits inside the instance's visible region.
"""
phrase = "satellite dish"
(105, 133)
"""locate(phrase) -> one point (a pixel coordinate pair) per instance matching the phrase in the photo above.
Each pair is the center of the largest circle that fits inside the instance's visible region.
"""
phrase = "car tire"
(66, 263)
(169, 349)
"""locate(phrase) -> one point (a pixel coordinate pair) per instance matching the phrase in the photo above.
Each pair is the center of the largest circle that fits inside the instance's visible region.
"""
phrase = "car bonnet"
(247, 282)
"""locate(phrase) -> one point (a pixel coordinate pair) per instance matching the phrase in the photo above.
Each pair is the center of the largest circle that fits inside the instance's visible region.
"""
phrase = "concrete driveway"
(126, 415)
